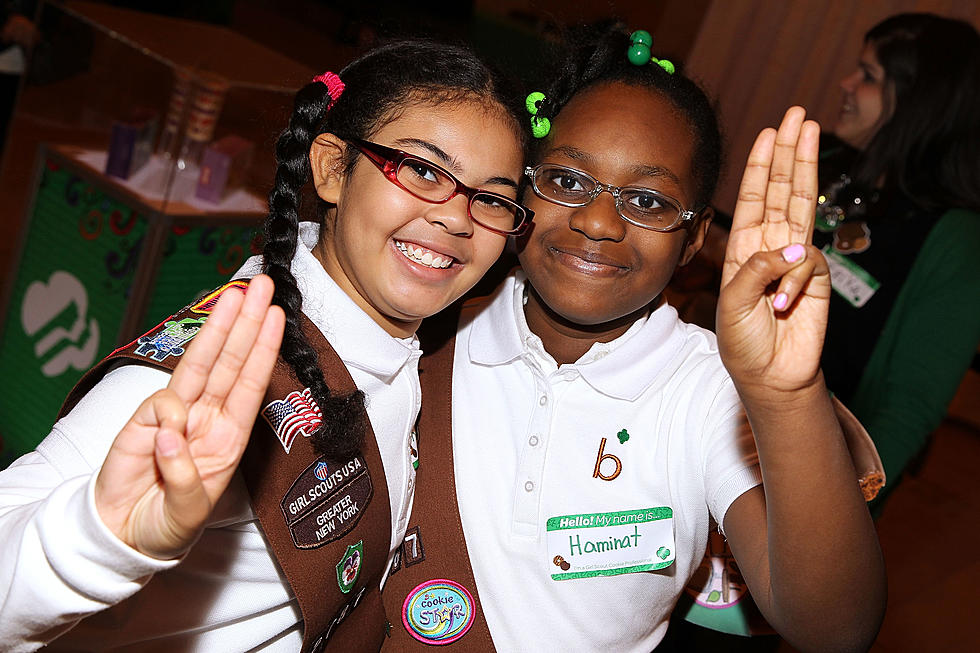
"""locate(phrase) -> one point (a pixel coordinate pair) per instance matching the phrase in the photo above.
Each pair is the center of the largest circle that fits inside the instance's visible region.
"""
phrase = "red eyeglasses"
(430, 183)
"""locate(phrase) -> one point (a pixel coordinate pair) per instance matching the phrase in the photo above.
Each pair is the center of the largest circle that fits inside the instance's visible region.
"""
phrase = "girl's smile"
(589, 261)
(424, 256)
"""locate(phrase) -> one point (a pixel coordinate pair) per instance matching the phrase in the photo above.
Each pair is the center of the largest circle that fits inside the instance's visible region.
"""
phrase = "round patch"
(438, 612)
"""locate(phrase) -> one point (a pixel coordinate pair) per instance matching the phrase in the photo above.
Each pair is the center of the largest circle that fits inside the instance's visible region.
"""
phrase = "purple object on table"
(131, 144)
(224, 166)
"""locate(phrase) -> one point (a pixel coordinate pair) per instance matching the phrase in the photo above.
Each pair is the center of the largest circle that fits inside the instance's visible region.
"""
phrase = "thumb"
(186, 505)
(792, 267)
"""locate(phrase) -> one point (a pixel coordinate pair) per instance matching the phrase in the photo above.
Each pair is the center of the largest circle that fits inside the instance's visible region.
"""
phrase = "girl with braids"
(162, 539)
(620, 435)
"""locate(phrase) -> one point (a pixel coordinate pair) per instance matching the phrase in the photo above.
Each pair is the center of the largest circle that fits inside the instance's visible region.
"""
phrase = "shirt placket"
(530, 475)
(412, 378)
(530, 472)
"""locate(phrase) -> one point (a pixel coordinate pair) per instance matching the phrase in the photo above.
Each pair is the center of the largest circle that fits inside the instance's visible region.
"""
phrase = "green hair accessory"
(540, 126)
(639, 52)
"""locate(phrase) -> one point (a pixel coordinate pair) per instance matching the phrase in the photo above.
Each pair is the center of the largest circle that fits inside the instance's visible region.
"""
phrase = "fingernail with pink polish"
(793, 253)
(167, 443)
(780, 301)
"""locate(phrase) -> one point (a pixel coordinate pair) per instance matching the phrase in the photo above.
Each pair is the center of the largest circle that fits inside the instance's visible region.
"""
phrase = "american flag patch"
(297, 414)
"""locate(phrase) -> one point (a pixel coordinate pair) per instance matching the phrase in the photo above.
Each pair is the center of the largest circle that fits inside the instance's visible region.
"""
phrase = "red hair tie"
(334, 86)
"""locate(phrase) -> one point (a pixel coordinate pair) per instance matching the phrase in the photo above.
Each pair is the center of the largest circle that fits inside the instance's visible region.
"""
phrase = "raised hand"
(176, 455)
(772, 311)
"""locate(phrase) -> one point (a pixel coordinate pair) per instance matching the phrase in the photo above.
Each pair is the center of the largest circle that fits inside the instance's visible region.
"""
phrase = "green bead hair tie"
(639, 51)
(540, 126)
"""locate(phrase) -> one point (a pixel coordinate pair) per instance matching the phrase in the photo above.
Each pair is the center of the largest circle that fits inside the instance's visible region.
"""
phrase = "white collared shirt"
(60, 562)
(526, 440)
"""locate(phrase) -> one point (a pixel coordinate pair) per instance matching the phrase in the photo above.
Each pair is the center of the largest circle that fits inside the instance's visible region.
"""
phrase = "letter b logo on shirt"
(601, 458)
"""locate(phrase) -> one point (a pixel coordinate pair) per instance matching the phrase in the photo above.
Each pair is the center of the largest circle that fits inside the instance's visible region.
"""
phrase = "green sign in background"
(196, 261)
(76, 272)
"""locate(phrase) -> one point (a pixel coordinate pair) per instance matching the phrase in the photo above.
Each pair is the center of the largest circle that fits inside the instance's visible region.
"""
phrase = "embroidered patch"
(603, 457)
(349, 567)
(413, 449)
(438, 612)
(207, 303)
(322, 510)
(322, 470)
(170, 340)
(623, 436)
(297, 414)
(411, 551)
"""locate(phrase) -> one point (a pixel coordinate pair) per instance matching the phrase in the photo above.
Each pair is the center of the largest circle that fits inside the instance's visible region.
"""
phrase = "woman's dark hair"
(596, 55)
(929, 149)
(377, 86)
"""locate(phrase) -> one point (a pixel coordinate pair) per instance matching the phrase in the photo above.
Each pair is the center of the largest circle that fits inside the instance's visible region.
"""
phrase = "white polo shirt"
(570, 550)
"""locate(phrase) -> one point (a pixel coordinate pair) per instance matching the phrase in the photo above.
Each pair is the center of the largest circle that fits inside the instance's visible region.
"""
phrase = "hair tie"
(639, 51)
(334, 86)
(540, 126)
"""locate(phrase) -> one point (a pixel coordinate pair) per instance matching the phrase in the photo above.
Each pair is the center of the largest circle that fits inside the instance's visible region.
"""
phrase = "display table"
(95, 259)
(99, 266)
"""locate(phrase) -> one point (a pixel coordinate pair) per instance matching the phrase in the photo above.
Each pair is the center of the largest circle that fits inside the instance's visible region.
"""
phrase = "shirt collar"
(358, 340)
(624, 368)
(495, 338)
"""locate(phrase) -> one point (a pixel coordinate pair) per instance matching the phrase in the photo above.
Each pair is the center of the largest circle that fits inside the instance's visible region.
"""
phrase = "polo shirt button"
(543, 400)
(533, 440)
(569, 375)
(529, 486)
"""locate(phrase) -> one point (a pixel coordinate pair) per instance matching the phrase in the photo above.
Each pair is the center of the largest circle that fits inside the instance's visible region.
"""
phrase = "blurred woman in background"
(899, 222)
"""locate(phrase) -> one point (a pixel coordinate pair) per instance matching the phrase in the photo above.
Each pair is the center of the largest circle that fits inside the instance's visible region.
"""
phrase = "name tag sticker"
(850, 280)
(610, 543)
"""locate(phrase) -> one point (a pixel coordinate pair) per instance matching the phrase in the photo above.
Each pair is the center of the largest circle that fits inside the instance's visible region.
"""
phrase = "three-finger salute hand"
(174, 458)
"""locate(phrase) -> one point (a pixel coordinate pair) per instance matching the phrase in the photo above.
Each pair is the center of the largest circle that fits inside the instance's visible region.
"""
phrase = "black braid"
(376, 86)
(342, 431)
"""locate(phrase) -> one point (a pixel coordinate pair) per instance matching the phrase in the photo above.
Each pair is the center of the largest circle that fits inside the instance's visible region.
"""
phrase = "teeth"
(418, 255)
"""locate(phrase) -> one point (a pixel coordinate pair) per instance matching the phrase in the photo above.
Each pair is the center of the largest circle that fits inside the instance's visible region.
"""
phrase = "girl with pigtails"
(195, 528)
(595, 439)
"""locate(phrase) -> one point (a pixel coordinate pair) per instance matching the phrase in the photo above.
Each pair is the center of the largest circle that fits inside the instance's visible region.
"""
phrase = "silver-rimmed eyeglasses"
(643, 207)
(430, 183)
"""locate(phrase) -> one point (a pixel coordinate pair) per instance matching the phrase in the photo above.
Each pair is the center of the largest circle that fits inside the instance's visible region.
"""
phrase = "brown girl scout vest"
(328, 524)
(430, 596)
